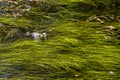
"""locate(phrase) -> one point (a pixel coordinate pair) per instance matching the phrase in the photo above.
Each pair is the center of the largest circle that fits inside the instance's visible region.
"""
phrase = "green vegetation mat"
(74, 49)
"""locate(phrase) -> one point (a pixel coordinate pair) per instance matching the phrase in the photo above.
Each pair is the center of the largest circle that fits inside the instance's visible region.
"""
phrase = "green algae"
(74, 50)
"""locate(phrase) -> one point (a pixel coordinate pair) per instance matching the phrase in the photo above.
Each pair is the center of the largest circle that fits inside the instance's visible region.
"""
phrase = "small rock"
(76, 75)
(111, 72)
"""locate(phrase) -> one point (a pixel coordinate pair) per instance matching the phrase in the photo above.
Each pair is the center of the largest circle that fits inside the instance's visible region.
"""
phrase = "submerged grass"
(73, 50)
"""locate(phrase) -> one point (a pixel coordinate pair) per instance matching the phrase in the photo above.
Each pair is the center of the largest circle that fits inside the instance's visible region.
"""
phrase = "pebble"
(111, 72)
(76, 75)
